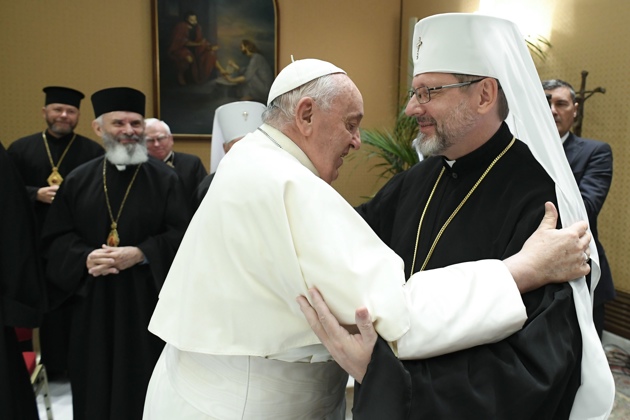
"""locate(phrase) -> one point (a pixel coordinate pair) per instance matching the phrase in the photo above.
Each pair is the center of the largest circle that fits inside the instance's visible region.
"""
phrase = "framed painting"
(208, 53)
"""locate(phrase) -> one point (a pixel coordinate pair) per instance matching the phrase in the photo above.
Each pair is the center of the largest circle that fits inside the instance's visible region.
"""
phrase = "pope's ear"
(304, 115)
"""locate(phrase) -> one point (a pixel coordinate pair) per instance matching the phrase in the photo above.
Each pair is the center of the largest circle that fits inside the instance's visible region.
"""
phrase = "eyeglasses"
(423, 93)
(158, 139)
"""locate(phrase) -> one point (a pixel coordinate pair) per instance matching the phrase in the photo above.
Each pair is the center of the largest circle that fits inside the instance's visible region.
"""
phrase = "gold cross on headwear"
(418, 45)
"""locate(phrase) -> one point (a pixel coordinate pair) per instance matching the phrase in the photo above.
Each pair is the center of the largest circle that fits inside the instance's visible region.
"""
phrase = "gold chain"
(113, 239)
(55, 177)
(415, 249)
(448, 221)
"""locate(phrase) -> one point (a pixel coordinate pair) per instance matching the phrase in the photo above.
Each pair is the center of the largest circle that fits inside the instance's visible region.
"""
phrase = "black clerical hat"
(118, 99)
(63, 95)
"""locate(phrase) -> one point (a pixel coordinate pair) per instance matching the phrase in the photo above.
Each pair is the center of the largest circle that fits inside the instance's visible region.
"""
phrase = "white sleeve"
(459, 307)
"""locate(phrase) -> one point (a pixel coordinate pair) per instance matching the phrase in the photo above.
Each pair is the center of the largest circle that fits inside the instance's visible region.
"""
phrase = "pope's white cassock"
(238, 346)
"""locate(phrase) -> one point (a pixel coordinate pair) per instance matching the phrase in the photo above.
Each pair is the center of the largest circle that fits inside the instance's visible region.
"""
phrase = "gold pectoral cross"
(55, 177)
(112, 238)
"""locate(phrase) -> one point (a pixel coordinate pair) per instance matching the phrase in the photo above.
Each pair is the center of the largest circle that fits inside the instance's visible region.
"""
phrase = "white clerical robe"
(269, 229)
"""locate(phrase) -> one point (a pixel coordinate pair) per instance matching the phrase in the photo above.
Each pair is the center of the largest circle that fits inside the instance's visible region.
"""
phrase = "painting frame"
(185, 97)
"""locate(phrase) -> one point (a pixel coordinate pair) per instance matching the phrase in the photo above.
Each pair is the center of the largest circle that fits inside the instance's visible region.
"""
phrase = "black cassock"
(22, 291)
(534, 373)
(202, 190)
(112, 354)
(191, 172)
(31, 159)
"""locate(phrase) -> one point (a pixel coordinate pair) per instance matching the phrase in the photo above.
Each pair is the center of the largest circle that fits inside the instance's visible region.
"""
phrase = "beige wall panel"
(92, 45)
(85, 45)
(593, 36)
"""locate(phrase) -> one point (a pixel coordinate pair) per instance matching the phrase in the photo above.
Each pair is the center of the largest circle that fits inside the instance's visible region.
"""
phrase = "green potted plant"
(393, 147)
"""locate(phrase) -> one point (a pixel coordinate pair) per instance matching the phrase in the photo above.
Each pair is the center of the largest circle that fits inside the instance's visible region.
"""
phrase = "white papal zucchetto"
(299, 73)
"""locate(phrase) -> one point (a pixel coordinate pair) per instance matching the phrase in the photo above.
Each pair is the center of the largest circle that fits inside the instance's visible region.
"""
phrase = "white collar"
(288, 145)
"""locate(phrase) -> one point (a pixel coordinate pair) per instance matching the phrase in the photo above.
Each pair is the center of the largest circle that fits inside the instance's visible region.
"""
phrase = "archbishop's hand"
(112, 260)
(100, 263)
(351, 351)
(47, 194)
(551, 255)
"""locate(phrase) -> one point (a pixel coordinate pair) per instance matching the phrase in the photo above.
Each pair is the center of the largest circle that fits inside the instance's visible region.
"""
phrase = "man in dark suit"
(592, 164)
(188, 167)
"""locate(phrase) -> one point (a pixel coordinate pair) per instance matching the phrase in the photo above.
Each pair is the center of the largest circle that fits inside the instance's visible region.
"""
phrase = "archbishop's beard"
(430, 145)
(125, 154)
(454, 128)
(60, 128)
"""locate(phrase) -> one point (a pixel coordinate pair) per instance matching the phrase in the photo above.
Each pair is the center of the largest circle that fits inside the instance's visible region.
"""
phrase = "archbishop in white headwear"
(475, 44)
(232, 121)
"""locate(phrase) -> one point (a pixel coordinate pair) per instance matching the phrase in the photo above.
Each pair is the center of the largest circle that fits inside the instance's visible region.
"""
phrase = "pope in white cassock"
(270, 228)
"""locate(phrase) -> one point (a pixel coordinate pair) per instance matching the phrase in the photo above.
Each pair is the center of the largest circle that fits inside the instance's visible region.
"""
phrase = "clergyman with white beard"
(118, 222)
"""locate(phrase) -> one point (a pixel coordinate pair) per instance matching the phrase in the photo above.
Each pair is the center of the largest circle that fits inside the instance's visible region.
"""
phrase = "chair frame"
(39, 378)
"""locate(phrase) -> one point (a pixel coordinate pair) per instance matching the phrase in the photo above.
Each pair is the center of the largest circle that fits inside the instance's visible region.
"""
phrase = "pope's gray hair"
(323, 90)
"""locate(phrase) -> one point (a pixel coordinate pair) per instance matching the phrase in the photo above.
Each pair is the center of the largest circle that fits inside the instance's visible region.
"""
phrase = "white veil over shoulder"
(489, 46)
